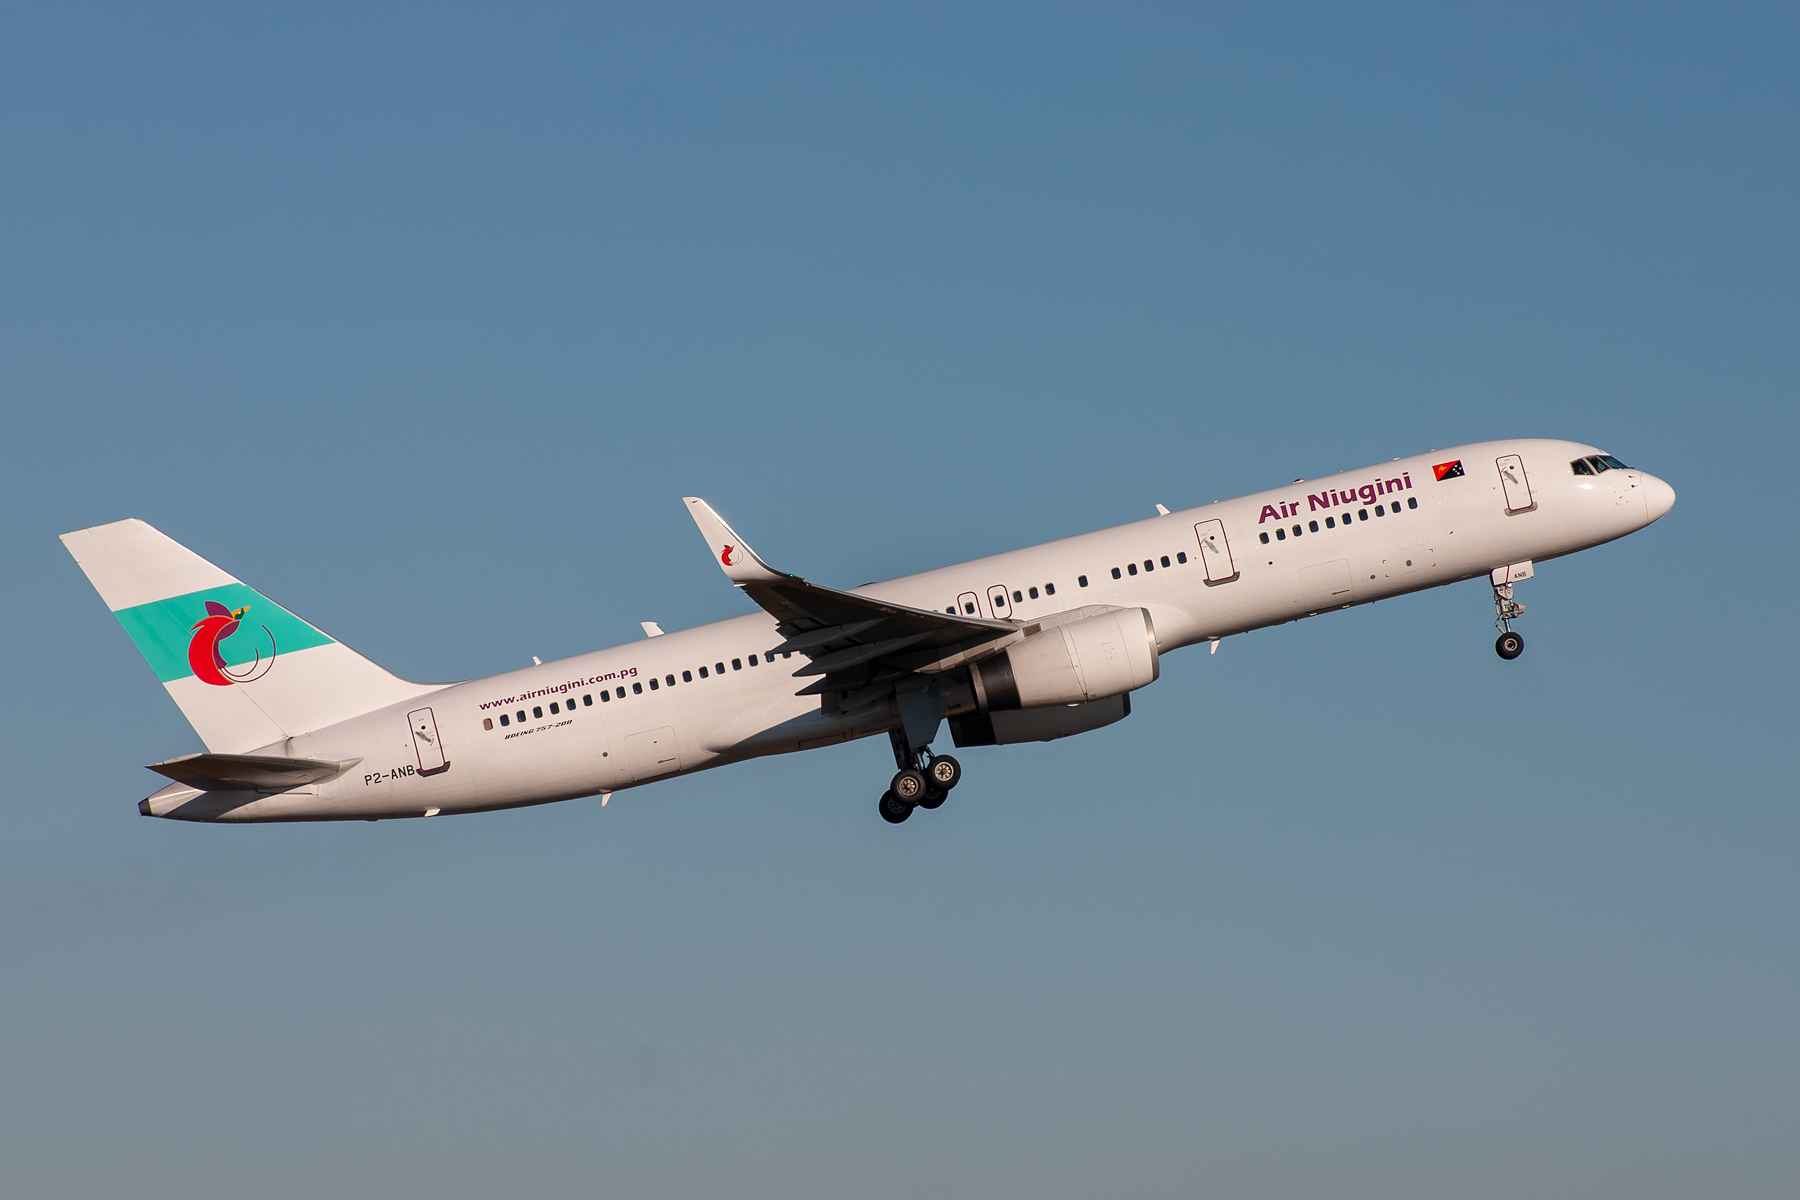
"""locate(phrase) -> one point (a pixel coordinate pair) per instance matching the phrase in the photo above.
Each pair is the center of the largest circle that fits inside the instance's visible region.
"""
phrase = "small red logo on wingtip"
(725, 555)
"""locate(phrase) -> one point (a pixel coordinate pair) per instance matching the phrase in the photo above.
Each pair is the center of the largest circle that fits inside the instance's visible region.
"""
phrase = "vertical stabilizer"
(245, 671)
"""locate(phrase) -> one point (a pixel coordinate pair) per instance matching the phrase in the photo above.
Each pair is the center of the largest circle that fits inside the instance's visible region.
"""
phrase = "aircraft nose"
(1659, 497)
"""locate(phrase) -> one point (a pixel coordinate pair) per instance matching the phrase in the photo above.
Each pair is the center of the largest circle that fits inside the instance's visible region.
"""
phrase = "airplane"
(1031, 645)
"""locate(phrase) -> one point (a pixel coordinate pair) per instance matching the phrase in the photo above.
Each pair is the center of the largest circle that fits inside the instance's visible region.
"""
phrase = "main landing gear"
(924, 781)
(1508, 645)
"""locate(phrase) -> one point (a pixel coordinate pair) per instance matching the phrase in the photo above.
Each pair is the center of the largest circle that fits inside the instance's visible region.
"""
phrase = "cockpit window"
(1614, 463)
(1598, 463)
(1580, 467)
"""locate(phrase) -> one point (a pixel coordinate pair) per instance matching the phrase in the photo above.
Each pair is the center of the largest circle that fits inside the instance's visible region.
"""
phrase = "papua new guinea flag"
(1449, 470)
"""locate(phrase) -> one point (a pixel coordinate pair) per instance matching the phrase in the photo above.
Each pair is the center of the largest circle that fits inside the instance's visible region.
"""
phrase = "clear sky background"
(423, 319)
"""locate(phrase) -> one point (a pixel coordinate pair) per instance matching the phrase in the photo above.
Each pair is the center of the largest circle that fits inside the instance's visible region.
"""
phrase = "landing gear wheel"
(944, 772)
(893, 811)
(1509, 645)
(934, 798)
(909, 786)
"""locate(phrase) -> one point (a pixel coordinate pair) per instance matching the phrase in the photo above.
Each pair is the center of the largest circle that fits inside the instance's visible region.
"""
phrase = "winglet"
(740, 562)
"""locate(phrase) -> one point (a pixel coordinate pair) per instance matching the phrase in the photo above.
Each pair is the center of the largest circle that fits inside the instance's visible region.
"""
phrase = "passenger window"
(521, 717)
(1296, 531)
(752, 662)
(1378, 511)
(1412, 502)
(504, 720)
(1312, 527)
(553, 709)
(1149, 565)
(1050, 588)
(634, 687)
(1081, 580)
(951, 610)
(1115, 572)
(1346, 518)
(1165, 560)
(686, 677)
(703, 672)
(653, 684)
(738, 665)
(1182, 557)
(1033, 593)
(718, 669)
(670, 679)
(606, 697)
(1265, 538)
(1362, 514)
(968, 606)
(1020, 596)
(588, 701)
(1281, 535)
(637, 689)
(1131, 567)
(1580, 467)
(1330, 522)
(537, 712)
(487, 722)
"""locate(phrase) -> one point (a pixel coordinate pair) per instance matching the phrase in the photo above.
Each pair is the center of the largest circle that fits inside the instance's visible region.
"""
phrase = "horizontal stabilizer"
(248, 772)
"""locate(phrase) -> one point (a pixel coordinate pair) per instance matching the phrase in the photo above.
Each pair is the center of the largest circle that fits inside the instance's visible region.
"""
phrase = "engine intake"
(1089, 659)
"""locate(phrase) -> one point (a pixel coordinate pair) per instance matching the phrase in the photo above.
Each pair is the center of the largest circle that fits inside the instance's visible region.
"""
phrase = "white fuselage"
(562, 740)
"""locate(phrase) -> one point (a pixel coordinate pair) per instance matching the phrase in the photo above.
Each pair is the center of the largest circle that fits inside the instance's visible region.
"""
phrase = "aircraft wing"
(854, 642)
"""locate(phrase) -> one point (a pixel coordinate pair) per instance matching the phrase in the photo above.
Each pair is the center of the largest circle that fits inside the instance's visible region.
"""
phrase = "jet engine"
(1089, 659)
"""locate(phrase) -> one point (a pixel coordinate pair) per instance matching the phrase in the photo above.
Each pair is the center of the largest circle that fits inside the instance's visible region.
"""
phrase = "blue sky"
(422, 320)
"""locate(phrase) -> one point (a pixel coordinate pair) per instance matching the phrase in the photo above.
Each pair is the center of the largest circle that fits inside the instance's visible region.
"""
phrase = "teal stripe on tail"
(165, 630)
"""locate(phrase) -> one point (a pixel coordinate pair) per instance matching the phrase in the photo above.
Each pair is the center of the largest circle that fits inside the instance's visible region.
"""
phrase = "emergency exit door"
(652, 753)
(426, 743)
(1215, 552)
(1514, 483)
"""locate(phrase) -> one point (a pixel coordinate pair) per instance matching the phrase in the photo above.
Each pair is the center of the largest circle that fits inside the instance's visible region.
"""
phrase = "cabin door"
(426, 743)
(968, 605)
(1514, 483)
(1215, 552)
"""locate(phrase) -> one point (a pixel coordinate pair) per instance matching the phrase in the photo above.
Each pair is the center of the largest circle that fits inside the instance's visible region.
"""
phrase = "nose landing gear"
(1508, 645)
(924, 781)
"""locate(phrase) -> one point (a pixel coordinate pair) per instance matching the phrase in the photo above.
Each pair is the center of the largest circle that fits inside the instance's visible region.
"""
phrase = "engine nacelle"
(1037, 724)
(1089, 659)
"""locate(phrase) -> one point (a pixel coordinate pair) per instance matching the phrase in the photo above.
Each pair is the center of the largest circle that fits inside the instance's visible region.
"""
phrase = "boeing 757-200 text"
(1031, 645)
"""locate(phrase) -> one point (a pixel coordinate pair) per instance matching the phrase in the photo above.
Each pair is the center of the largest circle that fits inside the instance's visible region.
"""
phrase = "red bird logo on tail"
(203, 647)
(725, 556)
